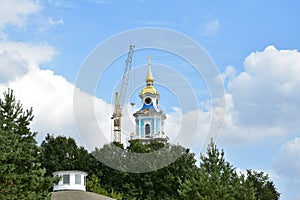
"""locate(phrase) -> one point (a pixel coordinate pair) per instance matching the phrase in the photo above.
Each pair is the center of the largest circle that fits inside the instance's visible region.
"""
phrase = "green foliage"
(138, 147)
(265, 189)
(158, 184)
(213, 180)
(182, 179)
(217, 179)
(93, 185)
(21, 174)
(243, 188)
(62, 153)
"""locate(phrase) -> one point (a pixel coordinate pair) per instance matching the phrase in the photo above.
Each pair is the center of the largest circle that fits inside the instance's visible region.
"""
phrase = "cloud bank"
(15, 12)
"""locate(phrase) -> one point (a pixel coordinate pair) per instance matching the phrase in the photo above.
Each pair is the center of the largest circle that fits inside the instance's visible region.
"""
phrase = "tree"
(182, 179)
(93, 185)
(216, 179)
(62, 153)
(158, 184)
(21, 174)
(265, 188)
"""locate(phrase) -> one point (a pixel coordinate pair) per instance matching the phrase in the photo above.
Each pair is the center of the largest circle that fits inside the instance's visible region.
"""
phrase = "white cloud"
(193, 129)
(287, 162)
(266, 94)
(3, 36)
(92, 119)
(286, 165)
(12, 66)
(32, 54)
(50, 95)
(229, 74)
(36, 88)
(211, 27)
(52, 102)
(262, 105)
(51, 98)
(17, 58)
(45, 25)
(262, 102)
(16, 11)
(55, 22)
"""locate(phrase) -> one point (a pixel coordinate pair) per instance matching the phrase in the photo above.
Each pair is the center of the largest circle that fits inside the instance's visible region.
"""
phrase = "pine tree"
(265, 188)
(216, 179)
(21, 175)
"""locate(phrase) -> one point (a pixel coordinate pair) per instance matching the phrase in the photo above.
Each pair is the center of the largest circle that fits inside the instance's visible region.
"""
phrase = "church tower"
(150, 118)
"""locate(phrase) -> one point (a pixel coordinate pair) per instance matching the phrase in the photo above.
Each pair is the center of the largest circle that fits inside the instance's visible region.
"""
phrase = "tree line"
(26, 168)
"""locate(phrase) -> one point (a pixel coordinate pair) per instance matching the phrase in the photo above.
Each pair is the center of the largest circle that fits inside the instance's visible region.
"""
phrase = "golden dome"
(149, 89)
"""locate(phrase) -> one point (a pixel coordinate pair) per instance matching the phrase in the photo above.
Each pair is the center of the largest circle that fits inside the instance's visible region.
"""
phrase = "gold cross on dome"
(149, 57)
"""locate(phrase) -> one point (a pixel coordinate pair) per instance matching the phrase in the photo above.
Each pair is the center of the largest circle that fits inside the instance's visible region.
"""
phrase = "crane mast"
(120, 97)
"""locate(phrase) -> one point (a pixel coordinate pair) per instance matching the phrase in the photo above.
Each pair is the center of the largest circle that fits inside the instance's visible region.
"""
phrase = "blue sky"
(254, 44)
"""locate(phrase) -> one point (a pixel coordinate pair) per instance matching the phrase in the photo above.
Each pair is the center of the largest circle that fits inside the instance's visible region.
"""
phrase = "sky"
(254, 45)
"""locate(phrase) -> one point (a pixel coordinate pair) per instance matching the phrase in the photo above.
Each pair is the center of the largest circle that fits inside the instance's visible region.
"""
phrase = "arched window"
(147, 130)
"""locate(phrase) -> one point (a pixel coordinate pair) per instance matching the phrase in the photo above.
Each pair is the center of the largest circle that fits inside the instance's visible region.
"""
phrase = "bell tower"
(149, 118)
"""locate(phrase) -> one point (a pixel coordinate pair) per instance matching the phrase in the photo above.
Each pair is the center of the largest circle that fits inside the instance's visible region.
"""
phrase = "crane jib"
(120, 97)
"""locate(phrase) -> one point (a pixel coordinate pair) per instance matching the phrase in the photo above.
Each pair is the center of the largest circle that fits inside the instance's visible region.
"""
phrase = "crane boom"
(126, 76)
(120, 97)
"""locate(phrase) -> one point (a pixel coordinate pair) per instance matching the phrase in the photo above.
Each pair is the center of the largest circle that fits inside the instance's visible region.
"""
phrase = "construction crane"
(120, 97)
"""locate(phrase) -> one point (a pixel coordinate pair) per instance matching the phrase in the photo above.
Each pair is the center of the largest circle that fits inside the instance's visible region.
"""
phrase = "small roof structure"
(70, 180)
(77, 195)
(72, 187)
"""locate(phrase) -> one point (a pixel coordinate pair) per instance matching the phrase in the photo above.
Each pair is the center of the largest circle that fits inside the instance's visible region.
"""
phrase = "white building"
(70, 180)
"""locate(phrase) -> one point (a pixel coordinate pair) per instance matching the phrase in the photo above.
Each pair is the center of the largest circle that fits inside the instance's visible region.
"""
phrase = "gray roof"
(77, 195)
